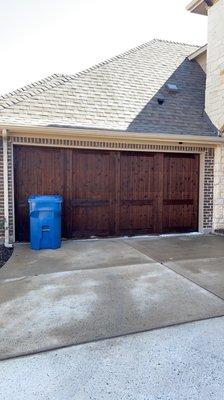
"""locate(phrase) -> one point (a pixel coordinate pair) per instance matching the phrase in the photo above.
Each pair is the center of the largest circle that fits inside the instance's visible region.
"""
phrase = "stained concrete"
(93, 290)
(58, 309)
(177, 363)
(199, 258)
(208, 273)
(73, 255)
(182, 247)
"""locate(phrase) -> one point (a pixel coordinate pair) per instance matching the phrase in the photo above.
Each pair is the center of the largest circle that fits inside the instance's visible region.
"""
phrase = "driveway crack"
(173, 270)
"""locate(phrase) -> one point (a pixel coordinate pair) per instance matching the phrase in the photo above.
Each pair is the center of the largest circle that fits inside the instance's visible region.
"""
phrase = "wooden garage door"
(109, 193)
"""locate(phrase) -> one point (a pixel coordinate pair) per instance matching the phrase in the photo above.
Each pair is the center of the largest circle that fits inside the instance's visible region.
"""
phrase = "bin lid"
(55, 198)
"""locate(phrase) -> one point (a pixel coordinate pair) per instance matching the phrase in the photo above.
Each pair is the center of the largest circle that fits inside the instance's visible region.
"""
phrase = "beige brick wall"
(1, 190)
(11, 201)
(219, 189)
(215, 65)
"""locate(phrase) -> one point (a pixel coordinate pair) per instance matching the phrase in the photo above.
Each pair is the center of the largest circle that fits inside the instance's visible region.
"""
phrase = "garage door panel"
(109, 193)
(91, 193)
(92, 170)
(136, 192)
(180, 176)
(136, 219)
(137, 180)
(38, 171)
(91, 221)
(179, 218)
(180, 192)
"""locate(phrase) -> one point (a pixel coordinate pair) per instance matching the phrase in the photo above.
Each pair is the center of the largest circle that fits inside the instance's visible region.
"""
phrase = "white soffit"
(198, 52)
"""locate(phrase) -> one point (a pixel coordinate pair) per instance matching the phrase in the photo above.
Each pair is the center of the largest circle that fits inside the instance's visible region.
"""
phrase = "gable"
(120, 94)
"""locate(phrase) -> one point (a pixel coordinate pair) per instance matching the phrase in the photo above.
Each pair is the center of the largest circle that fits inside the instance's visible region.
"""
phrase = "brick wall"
(1, 191)
(10, 174)
(208, 187)
(219, 189)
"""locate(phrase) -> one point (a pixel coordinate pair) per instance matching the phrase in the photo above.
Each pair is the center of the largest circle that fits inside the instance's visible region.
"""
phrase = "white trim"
(6, 187)
(105, 134)
(198, 52)
(13, 196)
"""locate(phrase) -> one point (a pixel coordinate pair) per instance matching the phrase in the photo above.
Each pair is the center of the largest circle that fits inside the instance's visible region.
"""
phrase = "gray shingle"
(120, 94)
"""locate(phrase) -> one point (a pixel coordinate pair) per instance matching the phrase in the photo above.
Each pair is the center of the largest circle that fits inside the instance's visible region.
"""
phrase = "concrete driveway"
(183, 362)
(98, 289)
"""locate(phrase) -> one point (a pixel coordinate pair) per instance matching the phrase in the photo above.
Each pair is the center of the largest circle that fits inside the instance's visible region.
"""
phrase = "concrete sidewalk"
(176, 363)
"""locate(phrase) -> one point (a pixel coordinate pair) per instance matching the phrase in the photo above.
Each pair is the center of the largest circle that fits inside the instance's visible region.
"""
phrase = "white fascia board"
(28, 130)
(198, 52)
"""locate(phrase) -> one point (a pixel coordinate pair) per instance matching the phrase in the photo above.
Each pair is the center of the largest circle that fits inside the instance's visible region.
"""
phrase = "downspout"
(6, 187)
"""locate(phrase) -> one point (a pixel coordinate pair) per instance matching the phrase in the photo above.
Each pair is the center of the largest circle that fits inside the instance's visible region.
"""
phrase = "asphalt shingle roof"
(120, 94)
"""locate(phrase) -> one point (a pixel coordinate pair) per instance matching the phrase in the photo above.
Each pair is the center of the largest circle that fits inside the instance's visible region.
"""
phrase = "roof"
(120, 94)
(198, 52)
(198, 7)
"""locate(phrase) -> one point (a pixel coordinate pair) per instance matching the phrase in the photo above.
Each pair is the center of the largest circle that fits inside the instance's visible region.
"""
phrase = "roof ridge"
(21, 94)
(176, 42)
(29, 86)
(113, 58)
(7, 100)
(130, 51)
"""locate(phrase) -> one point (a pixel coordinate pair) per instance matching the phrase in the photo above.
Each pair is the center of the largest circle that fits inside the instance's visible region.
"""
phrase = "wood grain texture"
(109, 193)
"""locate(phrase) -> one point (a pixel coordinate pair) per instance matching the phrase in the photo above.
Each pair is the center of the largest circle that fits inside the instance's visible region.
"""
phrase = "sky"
(43, 37)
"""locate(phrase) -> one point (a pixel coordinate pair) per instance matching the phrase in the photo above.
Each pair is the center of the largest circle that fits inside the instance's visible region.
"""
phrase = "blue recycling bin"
(45, 221)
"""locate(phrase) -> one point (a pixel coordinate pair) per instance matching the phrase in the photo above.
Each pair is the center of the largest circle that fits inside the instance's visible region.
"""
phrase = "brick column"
(10, 172)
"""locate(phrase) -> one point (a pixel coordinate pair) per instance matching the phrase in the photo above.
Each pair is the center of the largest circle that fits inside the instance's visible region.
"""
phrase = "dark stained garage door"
(109, 193)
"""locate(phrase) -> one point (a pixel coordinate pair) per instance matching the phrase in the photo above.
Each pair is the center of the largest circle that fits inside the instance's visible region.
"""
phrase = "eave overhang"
(198, 53)
(102, 134)
(199, 6)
